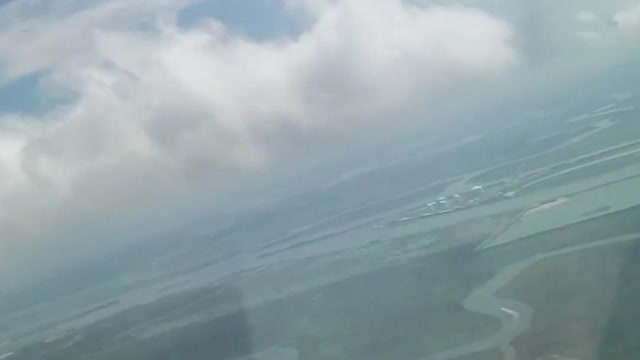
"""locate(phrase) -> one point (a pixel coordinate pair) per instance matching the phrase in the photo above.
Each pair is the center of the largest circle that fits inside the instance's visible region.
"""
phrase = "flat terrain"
(392, 312)
(331, 273)
(582, 287)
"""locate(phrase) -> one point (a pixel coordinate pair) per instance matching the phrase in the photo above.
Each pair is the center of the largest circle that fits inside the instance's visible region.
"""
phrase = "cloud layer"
(628, 20)
(154, 114)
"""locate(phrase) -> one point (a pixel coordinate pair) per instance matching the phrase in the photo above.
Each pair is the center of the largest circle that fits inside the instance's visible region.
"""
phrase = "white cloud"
(615, 27)
(590, 36)
(628, 20)
(587, 17)
(35, 34)
(162, 114)
(310, 8)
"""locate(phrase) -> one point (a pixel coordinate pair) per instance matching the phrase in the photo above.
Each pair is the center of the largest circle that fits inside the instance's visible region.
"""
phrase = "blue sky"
(22, 95)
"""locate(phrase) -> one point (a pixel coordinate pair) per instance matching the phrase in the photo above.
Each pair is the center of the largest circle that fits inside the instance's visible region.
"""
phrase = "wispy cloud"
(616, 26)
(628, 20)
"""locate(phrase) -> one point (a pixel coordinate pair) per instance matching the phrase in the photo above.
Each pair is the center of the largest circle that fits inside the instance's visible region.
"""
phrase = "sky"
(119, 113)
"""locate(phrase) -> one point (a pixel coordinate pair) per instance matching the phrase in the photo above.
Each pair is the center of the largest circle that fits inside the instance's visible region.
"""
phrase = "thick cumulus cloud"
(155, 114)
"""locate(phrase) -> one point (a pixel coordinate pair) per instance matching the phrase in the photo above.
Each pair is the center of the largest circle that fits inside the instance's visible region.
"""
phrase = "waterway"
(515, 316)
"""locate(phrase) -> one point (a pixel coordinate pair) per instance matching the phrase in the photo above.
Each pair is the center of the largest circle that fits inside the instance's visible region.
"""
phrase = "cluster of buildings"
(458, 201)
(476, 196)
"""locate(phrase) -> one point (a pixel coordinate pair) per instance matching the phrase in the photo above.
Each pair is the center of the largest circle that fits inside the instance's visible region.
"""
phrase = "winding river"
(515, 316)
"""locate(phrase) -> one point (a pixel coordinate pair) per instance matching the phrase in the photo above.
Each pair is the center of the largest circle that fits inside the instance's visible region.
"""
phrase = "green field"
(621, 332)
